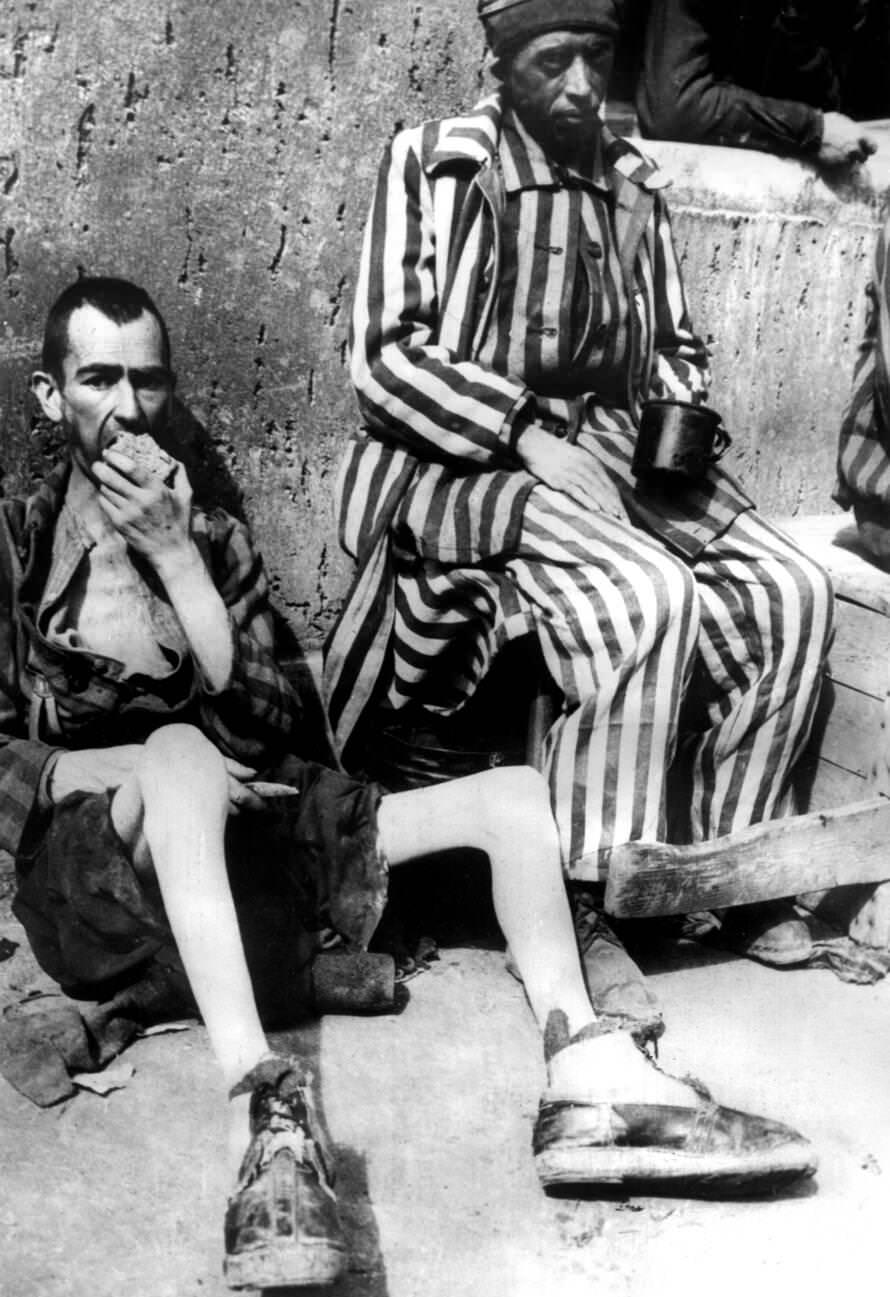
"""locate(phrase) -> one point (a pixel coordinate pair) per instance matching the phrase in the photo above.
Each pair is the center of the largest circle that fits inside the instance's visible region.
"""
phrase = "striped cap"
(509, 23)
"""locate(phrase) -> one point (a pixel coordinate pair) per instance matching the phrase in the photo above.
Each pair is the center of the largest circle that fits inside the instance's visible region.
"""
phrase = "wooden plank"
(804, 853)
(860, 654)
(824, 786)
(852, 734)
(832, 540)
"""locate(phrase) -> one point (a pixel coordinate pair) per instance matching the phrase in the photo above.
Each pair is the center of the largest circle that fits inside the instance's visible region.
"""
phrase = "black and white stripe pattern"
(863, 463)
(633, 635)
(480, 292)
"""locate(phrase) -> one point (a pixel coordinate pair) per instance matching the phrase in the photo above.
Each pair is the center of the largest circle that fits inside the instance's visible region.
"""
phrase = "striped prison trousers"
(708, 668)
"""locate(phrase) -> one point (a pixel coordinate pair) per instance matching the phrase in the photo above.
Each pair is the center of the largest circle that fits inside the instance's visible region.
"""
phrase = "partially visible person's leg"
(172, 815)
(282, 1227)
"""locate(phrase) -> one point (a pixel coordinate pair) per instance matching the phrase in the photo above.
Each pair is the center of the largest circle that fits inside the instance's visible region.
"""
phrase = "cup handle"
(722, 443)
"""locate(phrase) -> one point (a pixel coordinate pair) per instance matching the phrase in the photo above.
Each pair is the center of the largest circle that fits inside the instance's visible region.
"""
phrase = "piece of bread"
(146, 453)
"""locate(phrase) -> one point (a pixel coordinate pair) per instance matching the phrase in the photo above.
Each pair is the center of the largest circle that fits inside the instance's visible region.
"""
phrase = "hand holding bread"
(145, 454)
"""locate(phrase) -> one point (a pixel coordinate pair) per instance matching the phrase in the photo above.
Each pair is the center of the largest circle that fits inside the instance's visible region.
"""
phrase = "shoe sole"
(295, 1264)
(653, 1170)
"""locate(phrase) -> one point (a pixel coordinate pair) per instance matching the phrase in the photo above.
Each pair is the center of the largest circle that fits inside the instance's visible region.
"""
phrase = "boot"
(282, 1226)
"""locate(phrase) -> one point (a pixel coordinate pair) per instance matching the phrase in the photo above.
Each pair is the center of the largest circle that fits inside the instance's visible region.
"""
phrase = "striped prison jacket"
(435, 414)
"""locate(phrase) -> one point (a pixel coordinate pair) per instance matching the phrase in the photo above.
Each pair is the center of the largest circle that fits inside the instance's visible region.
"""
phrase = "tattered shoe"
(708, 1151)
(282, 1227)
(618, 991)
(652, 1144)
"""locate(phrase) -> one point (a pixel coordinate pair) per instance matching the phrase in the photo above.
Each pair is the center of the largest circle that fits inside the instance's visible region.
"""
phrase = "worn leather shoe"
(282, 1226)
(618, 991)
(707, 1151)
(772, 932)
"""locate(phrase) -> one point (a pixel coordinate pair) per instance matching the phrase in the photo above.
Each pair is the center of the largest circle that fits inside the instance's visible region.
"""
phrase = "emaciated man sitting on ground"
(140, 693)
(519, 300)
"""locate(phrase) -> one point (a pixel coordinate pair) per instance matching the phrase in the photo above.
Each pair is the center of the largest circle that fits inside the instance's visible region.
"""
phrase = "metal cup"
(678, 442)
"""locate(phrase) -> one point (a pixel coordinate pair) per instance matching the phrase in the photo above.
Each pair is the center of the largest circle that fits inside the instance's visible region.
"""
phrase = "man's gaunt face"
(557, 83)
(114, 379)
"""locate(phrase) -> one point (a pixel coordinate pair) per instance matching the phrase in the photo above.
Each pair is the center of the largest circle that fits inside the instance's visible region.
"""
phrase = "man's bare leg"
(607, 1116)
(506, 813)
(172, 815)
(282, 1228)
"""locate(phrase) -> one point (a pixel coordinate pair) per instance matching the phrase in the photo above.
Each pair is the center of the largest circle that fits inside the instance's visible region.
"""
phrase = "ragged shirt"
(82, 698)
(97, 601)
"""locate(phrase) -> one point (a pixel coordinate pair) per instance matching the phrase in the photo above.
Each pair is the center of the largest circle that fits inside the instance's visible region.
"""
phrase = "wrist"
(178, 564)
(521, 420)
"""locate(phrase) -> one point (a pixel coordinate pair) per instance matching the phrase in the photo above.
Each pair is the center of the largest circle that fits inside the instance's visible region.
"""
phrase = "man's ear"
(48, 393)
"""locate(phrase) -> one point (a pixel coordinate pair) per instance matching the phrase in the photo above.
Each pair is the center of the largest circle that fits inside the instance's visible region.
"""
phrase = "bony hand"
(570, 468)
(844, 142)
(92, 770)
(153, 518)
(241, 797)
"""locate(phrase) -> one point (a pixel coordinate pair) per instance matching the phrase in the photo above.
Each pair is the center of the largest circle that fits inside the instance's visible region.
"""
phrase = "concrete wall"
(223, 155)
(776, 258)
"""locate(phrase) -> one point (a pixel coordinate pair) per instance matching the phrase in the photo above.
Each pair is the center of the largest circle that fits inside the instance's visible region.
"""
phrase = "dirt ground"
(432, 1111)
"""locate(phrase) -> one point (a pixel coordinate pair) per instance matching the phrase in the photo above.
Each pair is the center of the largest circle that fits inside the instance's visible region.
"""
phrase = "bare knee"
(180, 743)
(491, 810)
(180, 759)
(513, 800)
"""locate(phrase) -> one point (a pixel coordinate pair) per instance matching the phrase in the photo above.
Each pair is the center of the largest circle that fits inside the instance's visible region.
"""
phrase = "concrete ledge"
(743, 180)
(776, 256)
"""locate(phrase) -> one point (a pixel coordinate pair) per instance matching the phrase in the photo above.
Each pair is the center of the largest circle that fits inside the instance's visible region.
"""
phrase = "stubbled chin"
(571, 150)
(577, 134)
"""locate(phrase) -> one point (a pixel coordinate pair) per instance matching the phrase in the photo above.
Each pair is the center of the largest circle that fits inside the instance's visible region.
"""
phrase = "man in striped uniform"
(863, 485)
(519, 299)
